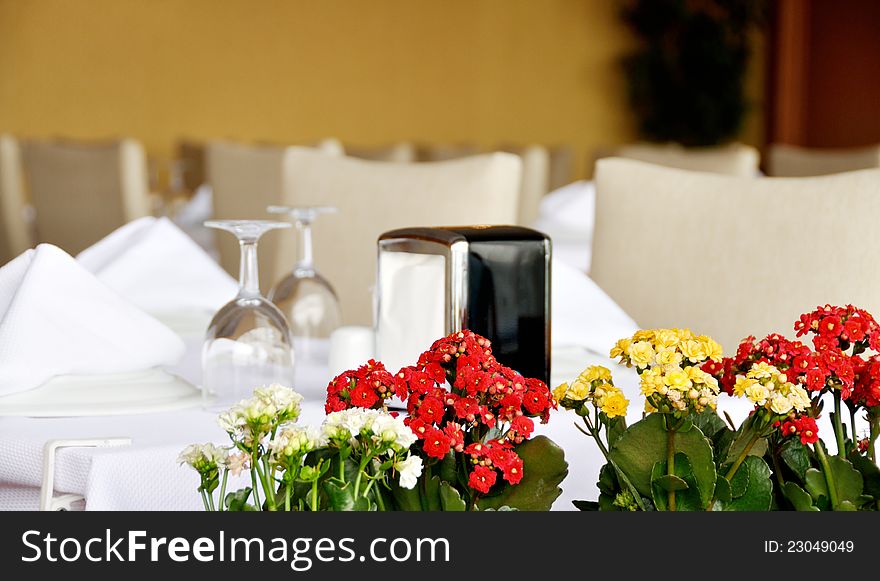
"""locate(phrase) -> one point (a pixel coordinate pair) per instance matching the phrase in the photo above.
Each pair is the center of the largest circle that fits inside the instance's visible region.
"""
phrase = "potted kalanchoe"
(683, 456)
(473, 419)
(350, 462)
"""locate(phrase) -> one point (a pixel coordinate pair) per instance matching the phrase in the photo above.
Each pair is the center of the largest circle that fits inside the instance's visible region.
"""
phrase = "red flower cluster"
(840, 327)
(486, 458)
(804, 426)
(368, 386)
(457, 396)
(866, 391)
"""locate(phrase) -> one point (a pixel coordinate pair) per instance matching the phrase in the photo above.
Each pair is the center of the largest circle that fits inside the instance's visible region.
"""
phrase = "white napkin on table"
(158, 268)
(56, 318)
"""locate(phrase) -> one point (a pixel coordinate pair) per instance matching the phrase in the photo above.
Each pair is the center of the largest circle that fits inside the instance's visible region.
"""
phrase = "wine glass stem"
(249, 273)
(304, 247)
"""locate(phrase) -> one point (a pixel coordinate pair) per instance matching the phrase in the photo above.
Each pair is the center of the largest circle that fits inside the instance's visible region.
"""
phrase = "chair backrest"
(402, 152)
(82, 191)
(374, 197)
(15, 234)
(792, 161)
(734, 159)
(443, 152)
(734, 256)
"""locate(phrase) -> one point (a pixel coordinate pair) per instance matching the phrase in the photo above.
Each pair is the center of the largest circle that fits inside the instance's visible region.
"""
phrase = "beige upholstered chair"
(735, 159)
(403, 152)
(792, 161)
(374, 197)
(84, 191)
(734, 256)
(15, 234)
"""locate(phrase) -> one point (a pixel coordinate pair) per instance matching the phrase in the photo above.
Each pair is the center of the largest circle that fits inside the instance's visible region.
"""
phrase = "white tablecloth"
(145, 475)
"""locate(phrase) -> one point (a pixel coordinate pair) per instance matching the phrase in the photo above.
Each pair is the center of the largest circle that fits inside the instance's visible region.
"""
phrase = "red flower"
(467, 408)
(816, 379)
(435, 443)
(363, 395)
(455, 434)
(536, 400)
(482, 479)
(431, 410)
(521, 427)
(436, 372)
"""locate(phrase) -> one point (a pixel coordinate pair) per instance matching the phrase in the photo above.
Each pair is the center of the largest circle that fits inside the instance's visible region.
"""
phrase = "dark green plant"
(686, 81)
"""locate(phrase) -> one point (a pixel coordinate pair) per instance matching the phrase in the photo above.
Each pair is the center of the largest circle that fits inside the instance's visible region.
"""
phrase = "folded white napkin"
(56, 319)
(158, 268)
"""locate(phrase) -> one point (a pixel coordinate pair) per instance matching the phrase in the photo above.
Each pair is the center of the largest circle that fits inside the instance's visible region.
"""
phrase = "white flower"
(799, 398)
(237, 462)
(390, 430)
(279, 400)
(780, 404)
(409, 469)
(231, 421)
(353, 420)
(292, 441)
(203, 457)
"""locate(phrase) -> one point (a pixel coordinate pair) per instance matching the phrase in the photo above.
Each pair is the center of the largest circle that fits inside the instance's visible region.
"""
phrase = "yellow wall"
(367, 72)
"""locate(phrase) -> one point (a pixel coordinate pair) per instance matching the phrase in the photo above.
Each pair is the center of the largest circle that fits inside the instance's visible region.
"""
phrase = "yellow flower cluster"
(765, 386)
(668, 362)
(595, 386)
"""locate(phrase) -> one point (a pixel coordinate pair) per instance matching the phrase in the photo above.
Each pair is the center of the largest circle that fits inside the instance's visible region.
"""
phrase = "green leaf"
(687, 498)
(847, 506)
(814, 482)
(739, 483)
(870, 474)
(448, 468)
(644, 444)
(847, 480)
(608, 483)
(710, 424)
(606, 504)
(722, 490)
(237, 501)
(586, 505)
(450, 499)
(406, 499)
(341, 497)
(758, 495)
(616, 428)
(669, 482)
(544, 468)
(796, 456)
(741, 439)
(430, 488)
(799, 498)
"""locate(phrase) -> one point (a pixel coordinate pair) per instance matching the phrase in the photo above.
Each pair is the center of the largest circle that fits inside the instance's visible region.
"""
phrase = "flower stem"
(314, 504)
(205, 500)
(852, 426)
(735, 466)
(223, 490)
(594, 433)
(838, 425)
(829, 476)
(670, 467)
(875, 431)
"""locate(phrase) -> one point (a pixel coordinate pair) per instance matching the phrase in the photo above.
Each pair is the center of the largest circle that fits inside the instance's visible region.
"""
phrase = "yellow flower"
(780, 405)
(621, 348)
(615, 404)
(696, 374)
(742, 384)
(757, 393)
(762, 370)
(595, 372)
(712, 349)
(579, 390)
(560, 392)
(694, 350)
(641, 354)
(664, 338)
(643, 335)
(677, 379)
(651, 381)
(684, 335)
(668, 356)
(798, 397)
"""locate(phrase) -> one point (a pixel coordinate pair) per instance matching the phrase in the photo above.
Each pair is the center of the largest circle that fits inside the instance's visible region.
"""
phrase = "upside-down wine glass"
(304, 296)
(248, 342)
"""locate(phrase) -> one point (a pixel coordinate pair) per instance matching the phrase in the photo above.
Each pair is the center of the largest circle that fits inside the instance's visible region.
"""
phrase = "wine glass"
(304, 296)
(248, 342)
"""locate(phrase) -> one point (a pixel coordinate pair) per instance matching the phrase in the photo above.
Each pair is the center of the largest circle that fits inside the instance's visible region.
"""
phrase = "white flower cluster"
(251, 419)
(203, 457)
(295, 442)
(381, 427)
